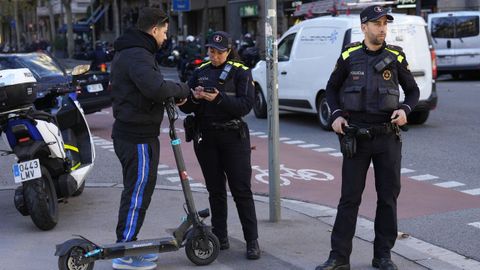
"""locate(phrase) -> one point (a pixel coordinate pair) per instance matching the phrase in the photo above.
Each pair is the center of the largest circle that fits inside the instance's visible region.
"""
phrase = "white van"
(456, 39)
(309, 50)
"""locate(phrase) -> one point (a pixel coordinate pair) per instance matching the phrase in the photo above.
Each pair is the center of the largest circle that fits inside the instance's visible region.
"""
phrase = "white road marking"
(257, 133)
(336, 154)
(173, 179)
(326, 149)
(424, 177)
(405, 170)
(475, 224)
(162, 166)
(475, 191)
(450, 184)
(107, 146)
(294, 142)
(99, 143)
(283, 139)
(263, 136)
(309, 145)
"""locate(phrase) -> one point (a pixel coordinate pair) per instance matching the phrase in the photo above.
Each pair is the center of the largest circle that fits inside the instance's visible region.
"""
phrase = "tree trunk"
(204, 26)
(116, 18)
(17, 25)
(70, 42)
(260, 38)
(52, 22)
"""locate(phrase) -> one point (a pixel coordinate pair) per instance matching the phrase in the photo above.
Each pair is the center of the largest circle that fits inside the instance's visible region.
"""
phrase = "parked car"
(92, 87)
(456, 39)
(308, 52)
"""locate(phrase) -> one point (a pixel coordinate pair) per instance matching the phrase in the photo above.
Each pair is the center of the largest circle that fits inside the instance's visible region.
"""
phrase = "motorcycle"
(187, 72)
(53, 147)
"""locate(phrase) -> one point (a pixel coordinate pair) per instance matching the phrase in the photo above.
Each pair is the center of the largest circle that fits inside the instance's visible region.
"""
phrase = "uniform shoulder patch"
(395, 47)
(353, 44)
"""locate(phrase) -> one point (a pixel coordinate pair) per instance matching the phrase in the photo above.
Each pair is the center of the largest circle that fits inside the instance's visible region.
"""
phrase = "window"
(443, 27)
(285, 48)
(455, 27)
(466, 26)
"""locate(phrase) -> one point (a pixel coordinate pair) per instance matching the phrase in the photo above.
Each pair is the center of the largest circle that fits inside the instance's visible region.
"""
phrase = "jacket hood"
(136, 38)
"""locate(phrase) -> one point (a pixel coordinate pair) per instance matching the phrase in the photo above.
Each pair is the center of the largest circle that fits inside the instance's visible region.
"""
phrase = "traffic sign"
(181, 5)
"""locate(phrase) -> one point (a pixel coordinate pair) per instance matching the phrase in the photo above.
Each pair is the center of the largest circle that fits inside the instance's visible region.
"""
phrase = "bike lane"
(416, 198)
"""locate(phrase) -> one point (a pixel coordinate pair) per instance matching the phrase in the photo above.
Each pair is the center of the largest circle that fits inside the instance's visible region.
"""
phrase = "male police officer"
(363, 95)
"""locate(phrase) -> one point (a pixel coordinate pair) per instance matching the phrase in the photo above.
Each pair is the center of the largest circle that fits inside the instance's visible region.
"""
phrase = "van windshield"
(455, 27)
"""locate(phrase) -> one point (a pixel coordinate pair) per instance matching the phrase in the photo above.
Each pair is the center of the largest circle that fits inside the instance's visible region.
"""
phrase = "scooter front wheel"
(71, 259)
(199, 255)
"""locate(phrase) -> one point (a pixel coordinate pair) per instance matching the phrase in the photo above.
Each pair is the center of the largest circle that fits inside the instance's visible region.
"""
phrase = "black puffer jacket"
(138, 88)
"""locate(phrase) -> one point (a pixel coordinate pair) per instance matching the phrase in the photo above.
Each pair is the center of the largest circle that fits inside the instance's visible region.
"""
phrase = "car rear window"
(455, 27)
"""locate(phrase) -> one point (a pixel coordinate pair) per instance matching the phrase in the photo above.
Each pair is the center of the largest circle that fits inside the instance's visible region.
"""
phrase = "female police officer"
(223, 93)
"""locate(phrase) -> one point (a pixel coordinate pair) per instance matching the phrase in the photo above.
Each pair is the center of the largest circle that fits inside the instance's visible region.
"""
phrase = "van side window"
(466, 26)
(285, 48)
(455, 27)
(443, 27)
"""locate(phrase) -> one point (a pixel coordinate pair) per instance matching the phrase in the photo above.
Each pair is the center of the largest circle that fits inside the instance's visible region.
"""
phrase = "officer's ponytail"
(233, 56)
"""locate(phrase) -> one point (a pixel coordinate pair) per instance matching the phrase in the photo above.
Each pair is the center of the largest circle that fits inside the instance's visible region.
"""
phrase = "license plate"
(27, 170)
(92, 88)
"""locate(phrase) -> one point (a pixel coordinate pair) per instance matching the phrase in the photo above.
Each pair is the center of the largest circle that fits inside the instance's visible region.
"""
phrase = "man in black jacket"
(138, 93)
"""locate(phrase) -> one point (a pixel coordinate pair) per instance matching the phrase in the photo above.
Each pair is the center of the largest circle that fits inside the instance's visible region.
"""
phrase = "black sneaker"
(384, 264)
(253, 250)
(333, 264)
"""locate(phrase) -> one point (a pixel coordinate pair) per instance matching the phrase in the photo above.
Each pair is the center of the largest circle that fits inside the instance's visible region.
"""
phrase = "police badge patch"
(387, 75)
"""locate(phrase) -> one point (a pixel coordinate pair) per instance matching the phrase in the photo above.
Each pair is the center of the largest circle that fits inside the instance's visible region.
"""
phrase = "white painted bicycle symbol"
(288, 174)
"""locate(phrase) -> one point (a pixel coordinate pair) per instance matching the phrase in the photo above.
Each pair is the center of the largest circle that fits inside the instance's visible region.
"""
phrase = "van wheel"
(323, 112)
(418, 118)
(260, 105)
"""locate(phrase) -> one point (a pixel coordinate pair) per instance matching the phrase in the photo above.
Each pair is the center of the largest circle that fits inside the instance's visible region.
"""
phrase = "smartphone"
(209, 89)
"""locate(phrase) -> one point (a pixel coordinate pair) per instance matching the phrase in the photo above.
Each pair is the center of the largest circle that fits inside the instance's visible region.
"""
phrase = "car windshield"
(41, 65)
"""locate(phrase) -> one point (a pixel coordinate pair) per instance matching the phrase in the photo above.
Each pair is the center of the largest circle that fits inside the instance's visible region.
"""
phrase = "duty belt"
(369, 131)
(234, 124)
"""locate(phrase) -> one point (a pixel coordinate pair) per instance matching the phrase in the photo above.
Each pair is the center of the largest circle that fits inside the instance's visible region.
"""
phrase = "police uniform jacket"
(234, 100)
(366, 83)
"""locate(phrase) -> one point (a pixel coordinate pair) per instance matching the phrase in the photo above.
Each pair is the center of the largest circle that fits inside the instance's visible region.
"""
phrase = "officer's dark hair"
(150, 17)
(233, 56)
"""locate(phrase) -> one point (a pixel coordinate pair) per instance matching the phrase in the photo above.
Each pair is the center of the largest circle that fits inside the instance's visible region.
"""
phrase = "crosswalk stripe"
(424, 177)
(165, 172)
(450, 184)
(475, 191)
(283, 139)
(162, 166)
(294, 142)
(405, 170)
(326, 149)
(475, 224)
(257, 133)
(337, 154)
(309, 145)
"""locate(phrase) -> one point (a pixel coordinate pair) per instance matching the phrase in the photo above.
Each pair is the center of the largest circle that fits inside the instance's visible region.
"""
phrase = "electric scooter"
(201, 245)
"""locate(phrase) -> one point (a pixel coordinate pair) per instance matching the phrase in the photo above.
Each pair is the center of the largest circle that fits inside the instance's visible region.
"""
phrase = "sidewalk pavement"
(301, 240)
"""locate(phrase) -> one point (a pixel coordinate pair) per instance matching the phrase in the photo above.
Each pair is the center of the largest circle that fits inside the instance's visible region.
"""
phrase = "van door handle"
(283, 73)
(449, 44)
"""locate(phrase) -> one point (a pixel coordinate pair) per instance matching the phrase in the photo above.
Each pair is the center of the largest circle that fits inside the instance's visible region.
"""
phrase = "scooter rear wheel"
(41, 200)
(200, 256)
(70, 260)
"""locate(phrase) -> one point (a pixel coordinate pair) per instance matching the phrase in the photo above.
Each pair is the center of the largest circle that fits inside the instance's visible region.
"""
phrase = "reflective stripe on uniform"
(346, 53)
(237, 65)
(399, 56)
(204, 64)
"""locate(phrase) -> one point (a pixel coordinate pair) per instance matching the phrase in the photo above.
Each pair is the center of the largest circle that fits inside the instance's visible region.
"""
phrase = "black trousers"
(225, 156)
(139, 167)
(385, 153)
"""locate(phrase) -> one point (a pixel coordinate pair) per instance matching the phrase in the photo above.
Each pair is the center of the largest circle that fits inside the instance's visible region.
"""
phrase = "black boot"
(333, 264)
(224, 244)
(384, 264)
(253, 250)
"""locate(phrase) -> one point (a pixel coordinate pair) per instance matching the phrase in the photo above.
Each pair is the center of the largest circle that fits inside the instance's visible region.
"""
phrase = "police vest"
(225, 79)
(372, 85)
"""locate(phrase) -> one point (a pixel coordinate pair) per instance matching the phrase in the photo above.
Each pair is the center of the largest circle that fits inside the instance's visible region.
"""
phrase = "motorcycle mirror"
(80, 69)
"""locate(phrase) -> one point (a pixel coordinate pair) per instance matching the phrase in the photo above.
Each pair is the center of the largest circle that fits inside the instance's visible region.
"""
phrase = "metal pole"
(271, 55)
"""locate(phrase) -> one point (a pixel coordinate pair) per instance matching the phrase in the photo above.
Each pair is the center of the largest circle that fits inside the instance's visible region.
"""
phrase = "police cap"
(373, 13)
(220, 40)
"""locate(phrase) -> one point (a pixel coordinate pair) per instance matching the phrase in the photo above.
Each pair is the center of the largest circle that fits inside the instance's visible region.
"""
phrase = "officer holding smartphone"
(223, 92)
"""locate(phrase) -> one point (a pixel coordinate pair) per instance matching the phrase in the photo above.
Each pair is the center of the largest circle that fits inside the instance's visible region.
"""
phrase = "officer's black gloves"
(348, 142)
